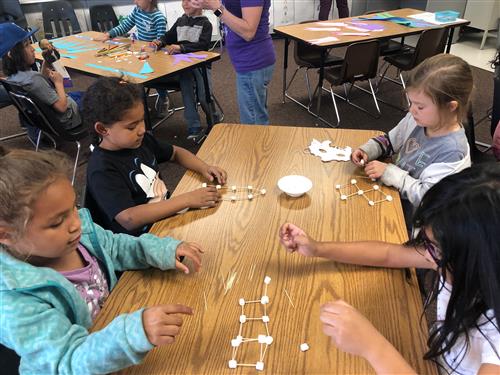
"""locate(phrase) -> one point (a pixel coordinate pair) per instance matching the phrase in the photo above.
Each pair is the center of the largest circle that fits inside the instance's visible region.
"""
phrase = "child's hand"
(55, 77)
(103, 37)
(161, 323)
(173, 49)
(204, 197)
(295, 239)
(190, 250)
(349, 330)
(375, 169)
(359, 157)
(217, 173)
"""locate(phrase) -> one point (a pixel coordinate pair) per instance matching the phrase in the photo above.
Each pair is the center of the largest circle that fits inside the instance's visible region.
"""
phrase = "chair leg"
(78, 146)
(335, 106)
(6, 138)
(308, 84)
(347, 99)
(374, 96)
(404, 88)
(221, 111)
(287, 95)
(38, 140)
(382, 76)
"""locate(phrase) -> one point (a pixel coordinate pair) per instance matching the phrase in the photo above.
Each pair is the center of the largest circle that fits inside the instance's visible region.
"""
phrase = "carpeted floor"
(290, 114)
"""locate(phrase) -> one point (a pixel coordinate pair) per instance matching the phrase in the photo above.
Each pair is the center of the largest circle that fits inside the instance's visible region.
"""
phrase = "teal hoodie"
(46, 321)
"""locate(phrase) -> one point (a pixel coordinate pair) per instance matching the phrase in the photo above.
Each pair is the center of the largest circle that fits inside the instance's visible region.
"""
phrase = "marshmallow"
(304, 347)
(233, 364)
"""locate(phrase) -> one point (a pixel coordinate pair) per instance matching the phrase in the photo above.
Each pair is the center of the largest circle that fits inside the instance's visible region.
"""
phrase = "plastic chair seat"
(403, 61)
(313, 60)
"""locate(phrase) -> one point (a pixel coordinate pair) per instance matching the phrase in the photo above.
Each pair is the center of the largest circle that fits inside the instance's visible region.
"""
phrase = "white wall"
(172, 8)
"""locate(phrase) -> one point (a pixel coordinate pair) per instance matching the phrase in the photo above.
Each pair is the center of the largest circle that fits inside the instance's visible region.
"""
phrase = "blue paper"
(146, 68)
(114, 70)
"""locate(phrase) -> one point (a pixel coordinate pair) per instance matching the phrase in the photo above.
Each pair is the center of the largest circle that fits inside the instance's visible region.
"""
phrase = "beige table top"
(242, 237)
(161, 63)
(391, 29)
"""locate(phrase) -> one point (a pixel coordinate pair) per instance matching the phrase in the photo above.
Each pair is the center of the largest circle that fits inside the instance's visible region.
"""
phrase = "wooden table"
(129, 65)
(391, 30)
(243, 235)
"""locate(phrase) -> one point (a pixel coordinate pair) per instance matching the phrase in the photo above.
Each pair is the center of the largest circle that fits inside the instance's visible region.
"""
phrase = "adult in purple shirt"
(326, 5)
(251, 52)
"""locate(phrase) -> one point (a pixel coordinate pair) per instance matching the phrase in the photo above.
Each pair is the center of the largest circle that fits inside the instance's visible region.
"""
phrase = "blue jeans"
(187, 83)
(252, 95)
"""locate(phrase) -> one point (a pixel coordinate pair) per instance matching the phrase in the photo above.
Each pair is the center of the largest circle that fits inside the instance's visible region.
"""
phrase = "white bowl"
(294, 185)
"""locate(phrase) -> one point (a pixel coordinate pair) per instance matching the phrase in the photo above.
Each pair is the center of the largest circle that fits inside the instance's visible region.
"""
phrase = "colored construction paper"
(326, 23)
(187, 57)
(399, 20)
(72, 50)
(322, 28)
(83, 37)
(327, 39)
(368, 26)
(114, 70)
(429, 17)
(146, 68)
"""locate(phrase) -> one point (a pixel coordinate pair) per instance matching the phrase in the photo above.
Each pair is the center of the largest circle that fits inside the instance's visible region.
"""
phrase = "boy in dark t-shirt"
(125, 192)
(191, 32)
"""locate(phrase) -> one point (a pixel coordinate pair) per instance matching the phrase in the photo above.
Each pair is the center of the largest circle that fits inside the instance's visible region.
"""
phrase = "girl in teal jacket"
(47, 249)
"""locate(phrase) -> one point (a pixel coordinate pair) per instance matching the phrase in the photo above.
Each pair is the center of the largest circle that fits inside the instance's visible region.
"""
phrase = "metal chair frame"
(437, 38)
(45, 122)
(350, 77)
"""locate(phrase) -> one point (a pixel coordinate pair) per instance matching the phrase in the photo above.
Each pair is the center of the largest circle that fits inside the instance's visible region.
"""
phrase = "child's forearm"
(385, 359)
(246, 27)
(372, 253)
(144, 214)
(189, 161)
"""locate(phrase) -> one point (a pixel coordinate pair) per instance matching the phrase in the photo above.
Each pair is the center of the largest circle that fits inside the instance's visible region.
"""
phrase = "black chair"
(10, 11)
(59, 19)
(102, 18)
(308, 57)
(430, 43)
(44, 118)
(360, 64)
(172, 85)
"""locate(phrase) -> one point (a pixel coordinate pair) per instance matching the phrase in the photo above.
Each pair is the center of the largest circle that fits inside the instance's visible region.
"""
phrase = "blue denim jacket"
(44, 319)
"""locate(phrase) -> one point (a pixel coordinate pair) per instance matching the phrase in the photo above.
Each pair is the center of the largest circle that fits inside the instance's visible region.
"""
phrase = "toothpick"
(288, 296)
(205, 298)
(230, 281)
(252, 269)
(223, 283)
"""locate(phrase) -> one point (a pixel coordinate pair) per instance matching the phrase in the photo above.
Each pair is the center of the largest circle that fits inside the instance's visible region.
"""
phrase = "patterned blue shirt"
(150, 25)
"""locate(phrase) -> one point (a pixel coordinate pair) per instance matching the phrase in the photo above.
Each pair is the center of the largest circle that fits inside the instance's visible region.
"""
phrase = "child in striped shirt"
(150, 22)
(151, 25)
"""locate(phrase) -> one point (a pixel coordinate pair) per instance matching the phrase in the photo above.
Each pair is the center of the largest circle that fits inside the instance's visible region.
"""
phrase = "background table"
(391, 30)
(162, 64)
(238, 235)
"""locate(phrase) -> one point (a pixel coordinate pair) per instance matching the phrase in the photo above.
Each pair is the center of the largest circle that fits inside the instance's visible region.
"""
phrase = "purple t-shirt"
(257, 53)
(90, 282)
